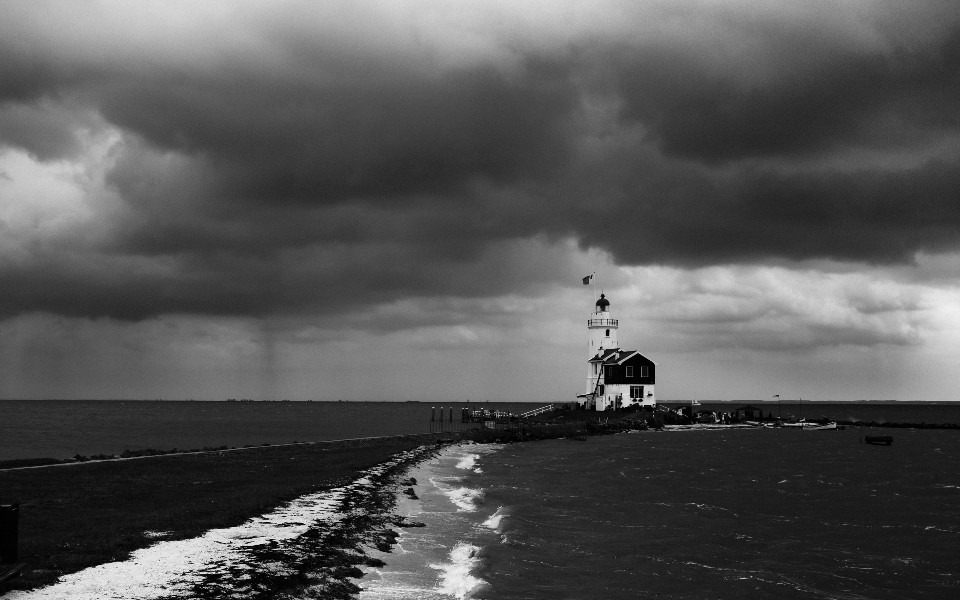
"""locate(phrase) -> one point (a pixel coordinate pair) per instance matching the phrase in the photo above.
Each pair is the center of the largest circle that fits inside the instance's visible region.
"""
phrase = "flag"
(586, 280)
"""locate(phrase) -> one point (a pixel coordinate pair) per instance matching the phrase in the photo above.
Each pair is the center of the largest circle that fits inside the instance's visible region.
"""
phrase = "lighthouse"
(616, 378)
(601, 336)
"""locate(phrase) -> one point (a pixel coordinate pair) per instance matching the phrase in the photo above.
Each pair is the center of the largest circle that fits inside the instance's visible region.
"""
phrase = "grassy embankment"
(80, 515)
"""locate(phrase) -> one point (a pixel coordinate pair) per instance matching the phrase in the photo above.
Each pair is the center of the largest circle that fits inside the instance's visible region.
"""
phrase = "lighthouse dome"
(602, 304)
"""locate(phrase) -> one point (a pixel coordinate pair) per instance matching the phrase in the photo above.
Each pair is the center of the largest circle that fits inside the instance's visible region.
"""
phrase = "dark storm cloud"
(875, 217)
(823, 94)
(254, 174)
(393, 134)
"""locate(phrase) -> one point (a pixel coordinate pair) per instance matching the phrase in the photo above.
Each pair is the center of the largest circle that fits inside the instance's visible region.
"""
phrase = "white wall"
(610, 392)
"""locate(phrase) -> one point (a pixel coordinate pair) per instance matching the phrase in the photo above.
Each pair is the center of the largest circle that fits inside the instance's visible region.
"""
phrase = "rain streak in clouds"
(206, 189)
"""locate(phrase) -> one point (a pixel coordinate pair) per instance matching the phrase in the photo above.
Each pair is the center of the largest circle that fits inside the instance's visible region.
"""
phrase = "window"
(608, 333)
(636, 392)
(600, 390)
(629, 372)
(644, 371)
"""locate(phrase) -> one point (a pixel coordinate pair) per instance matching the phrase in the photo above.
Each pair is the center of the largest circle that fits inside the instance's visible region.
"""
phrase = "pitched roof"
(617, 356)
(606, 356)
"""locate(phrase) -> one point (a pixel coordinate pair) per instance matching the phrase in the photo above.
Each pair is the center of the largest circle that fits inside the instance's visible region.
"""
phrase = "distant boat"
(826, 427)
(884, 440)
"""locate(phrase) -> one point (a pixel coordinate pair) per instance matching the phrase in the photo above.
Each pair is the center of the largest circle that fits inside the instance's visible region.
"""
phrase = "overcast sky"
(398, 200)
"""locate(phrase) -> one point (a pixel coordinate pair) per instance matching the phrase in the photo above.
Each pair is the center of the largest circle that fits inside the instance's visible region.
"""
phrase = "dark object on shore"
(411, 494)
(386, 540)
(884, 440)
(9, 534)
(411, 524)
(402, 522)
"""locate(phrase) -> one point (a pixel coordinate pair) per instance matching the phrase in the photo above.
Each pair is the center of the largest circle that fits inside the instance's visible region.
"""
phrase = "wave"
(468, 462)
(466, 499)
(496, 519)
(456, 577)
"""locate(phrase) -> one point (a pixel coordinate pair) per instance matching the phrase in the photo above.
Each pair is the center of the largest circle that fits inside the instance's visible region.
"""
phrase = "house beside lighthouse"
(616, 378)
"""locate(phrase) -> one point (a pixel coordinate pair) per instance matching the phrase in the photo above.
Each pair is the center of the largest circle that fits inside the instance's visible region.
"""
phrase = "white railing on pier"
(536, 411)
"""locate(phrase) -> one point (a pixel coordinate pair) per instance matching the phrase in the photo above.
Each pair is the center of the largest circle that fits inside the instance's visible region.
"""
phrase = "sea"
(692, 514)
(759, 513)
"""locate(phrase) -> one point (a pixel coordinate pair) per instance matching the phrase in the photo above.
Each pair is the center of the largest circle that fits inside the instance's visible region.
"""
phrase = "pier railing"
(536, 411)
(452, 419)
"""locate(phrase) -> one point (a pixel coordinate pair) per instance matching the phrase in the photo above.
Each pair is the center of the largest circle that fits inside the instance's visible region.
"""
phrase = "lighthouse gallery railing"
(601, 322)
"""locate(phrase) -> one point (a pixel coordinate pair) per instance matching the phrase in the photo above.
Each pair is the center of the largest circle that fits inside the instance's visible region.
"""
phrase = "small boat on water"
(825, 427)
(884, 440)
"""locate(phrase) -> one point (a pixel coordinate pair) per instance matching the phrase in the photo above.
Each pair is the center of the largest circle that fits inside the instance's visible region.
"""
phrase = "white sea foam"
(466, 499)
(171, 568)
(456, 577)
(468, 461)
(428, 570)
(494, 521)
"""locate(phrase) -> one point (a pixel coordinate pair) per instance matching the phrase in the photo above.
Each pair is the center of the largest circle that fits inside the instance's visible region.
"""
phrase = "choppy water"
(695, 514)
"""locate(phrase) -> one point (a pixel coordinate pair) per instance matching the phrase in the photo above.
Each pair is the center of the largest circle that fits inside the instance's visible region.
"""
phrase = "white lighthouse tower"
(616, 378)
(601, 336)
